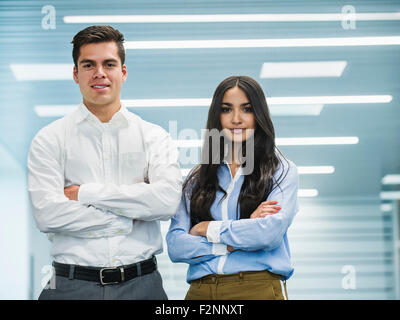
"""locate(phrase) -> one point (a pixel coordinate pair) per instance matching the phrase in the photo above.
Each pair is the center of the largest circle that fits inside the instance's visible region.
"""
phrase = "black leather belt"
(109, 275)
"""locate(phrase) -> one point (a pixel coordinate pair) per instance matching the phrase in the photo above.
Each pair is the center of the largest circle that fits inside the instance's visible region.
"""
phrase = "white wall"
(14, 242)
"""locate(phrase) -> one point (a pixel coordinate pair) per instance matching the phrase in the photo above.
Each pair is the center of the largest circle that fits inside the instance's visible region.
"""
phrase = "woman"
(231, 225)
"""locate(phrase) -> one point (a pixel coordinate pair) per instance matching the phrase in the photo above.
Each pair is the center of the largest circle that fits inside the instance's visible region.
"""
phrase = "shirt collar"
(120, 118)
(228, 169)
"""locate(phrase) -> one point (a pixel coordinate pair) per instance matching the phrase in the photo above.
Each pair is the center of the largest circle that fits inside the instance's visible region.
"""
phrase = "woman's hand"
(266, 208)
(200, 229)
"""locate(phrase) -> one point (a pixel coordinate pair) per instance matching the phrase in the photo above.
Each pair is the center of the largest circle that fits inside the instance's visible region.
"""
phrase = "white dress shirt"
(129, 179)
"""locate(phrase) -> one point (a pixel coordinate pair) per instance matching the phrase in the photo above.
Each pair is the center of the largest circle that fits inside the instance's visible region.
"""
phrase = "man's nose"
(99, 72)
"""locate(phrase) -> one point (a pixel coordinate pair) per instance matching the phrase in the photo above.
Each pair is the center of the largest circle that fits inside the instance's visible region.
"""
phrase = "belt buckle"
(111, 268)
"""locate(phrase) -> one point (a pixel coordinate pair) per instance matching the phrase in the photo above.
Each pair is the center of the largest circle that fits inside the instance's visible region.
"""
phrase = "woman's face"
(237, 117)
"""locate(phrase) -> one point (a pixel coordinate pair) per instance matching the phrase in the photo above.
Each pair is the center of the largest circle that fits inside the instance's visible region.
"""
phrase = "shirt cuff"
(85, 193)
(213, 231)
(219, 249)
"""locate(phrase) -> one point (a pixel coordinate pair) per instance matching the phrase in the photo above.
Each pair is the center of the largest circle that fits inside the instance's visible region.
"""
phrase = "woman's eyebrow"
(230, 104)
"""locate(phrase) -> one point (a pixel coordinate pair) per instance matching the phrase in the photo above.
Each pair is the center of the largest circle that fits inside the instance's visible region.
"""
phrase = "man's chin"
(100, 101)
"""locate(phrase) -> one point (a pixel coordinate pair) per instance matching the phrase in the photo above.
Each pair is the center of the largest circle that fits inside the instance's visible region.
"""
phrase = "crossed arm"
(264, 209)
(264, 230)
(108, 209)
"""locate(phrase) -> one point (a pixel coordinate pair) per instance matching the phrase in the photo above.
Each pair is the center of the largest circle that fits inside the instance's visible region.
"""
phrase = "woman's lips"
(236, 130)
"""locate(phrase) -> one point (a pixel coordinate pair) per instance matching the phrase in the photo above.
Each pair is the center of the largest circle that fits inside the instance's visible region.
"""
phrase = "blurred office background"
(330, 70)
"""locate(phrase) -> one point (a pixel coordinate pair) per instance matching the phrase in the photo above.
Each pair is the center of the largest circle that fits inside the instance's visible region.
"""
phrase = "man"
(100, 179)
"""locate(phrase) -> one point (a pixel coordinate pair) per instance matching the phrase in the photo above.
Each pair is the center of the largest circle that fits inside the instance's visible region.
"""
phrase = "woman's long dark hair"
(202, 182)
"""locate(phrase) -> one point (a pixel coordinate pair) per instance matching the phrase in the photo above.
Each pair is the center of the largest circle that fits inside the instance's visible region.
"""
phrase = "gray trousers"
(146, 287)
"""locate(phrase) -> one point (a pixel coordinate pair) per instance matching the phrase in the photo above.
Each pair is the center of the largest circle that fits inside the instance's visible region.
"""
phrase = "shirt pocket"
(133, 167)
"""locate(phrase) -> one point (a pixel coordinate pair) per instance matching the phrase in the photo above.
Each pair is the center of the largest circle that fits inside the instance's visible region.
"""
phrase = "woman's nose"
(235, 117)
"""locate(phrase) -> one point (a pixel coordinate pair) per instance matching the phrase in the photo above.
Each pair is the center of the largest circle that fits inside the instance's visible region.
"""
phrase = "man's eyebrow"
(93, 62)
(86, 61)
(111, 60)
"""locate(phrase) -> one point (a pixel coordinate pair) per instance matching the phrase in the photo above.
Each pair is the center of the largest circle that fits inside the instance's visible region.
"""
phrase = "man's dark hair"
(97, 34)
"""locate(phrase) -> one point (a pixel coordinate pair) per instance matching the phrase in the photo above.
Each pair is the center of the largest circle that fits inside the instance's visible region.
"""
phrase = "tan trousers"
(251, 285)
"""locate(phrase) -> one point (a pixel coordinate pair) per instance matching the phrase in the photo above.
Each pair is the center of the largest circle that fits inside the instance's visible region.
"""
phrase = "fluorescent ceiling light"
(315, 141)
(302, 69)
(281, 110)
(191, 18)
(292, 101)
(195, 143)
(296, 110)
(42, 71)
(279, 106)
(141, 103)
(391, 179)
(386, 207)
(330, 99)
(263, 43)
(54, 111)
(305, 193)
(390, 195)
(301, 170)
(316, 169)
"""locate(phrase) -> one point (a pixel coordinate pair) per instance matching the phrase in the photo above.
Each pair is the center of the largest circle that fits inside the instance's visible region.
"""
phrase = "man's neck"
(103, 112)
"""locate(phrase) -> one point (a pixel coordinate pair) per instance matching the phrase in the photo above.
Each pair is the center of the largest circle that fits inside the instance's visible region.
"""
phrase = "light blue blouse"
(260, 243)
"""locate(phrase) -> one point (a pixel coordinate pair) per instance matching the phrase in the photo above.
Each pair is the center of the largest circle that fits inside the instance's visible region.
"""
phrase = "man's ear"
(75, 75)
(124, 73)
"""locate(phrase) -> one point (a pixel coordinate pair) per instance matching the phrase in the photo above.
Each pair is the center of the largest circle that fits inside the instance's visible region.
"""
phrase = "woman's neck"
(234, 157)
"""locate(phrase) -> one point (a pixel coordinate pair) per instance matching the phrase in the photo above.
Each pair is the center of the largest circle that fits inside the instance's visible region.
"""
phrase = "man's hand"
(71, 192)
(200, 229)
(265, 208)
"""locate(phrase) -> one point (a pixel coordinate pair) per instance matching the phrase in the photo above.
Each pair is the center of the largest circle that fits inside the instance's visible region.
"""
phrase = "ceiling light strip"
(263, 43)
(196, 143)
(301, 170)
(315, 169)
(391, 179)
(304, 69)
(197, 18)
(390, 195)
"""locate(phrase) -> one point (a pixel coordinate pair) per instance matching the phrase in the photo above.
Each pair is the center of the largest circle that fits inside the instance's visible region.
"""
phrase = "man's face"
(100, 74)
